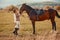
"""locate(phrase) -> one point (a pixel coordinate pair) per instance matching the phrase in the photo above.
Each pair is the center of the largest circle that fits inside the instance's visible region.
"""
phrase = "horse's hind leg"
(33, 24)
(53, 25)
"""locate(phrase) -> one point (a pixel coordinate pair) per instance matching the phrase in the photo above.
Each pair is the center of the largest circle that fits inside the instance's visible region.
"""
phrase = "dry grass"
(43, 29)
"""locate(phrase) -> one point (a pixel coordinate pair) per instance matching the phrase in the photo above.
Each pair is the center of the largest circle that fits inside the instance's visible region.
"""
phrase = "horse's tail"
(57, 14)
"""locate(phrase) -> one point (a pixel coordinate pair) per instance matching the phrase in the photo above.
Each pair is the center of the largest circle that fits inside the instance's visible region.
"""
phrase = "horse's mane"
(29, 7)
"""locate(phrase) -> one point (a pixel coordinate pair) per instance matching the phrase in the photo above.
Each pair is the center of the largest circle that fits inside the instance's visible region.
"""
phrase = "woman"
(16, 20)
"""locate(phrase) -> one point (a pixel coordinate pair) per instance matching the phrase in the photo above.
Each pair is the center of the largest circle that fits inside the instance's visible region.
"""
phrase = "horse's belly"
(43, 17)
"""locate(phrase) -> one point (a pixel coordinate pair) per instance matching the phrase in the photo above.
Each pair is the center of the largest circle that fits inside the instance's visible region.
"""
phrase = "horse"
(41, 16)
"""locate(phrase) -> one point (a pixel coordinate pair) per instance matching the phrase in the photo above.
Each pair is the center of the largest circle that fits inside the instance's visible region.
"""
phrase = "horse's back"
(36, 12)
(40, 11)
(51, 10)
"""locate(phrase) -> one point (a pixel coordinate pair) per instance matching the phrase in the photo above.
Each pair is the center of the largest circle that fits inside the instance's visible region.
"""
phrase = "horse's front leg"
(33, 24)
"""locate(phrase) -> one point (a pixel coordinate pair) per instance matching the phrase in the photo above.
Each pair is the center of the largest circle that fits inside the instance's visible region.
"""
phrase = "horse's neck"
(29, 10)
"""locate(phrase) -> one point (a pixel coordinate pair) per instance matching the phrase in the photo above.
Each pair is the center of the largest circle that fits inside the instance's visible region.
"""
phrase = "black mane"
(28, 7)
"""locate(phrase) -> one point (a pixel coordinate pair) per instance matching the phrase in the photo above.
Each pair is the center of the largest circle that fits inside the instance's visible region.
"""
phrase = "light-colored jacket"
(16, 17)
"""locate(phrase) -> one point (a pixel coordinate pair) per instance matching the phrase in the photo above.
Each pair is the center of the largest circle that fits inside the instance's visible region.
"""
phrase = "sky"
(4, 3)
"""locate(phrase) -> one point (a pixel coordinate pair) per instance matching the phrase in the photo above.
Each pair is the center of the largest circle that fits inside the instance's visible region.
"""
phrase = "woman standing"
(16, 20)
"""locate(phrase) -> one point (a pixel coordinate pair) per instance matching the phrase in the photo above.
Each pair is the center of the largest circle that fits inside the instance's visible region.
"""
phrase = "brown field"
(43, 28)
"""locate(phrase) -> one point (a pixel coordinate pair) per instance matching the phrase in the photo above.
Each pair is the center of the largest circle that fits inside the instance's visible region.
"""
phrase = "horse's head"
(23, 7)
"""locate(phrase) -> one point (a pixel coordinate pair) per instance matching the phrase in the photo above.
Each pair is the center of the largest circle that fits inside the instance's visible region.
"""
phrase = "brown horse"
(42, 15)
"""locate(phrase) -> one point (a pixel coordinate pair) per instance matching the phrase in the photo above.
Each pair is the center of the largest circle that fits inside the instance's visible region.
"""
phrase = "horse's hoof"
(33, 33)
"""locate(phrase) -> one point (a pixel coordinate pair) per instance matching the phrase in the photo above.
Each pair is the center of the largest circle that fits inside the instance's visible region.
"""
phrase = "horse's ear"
(24, 4)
